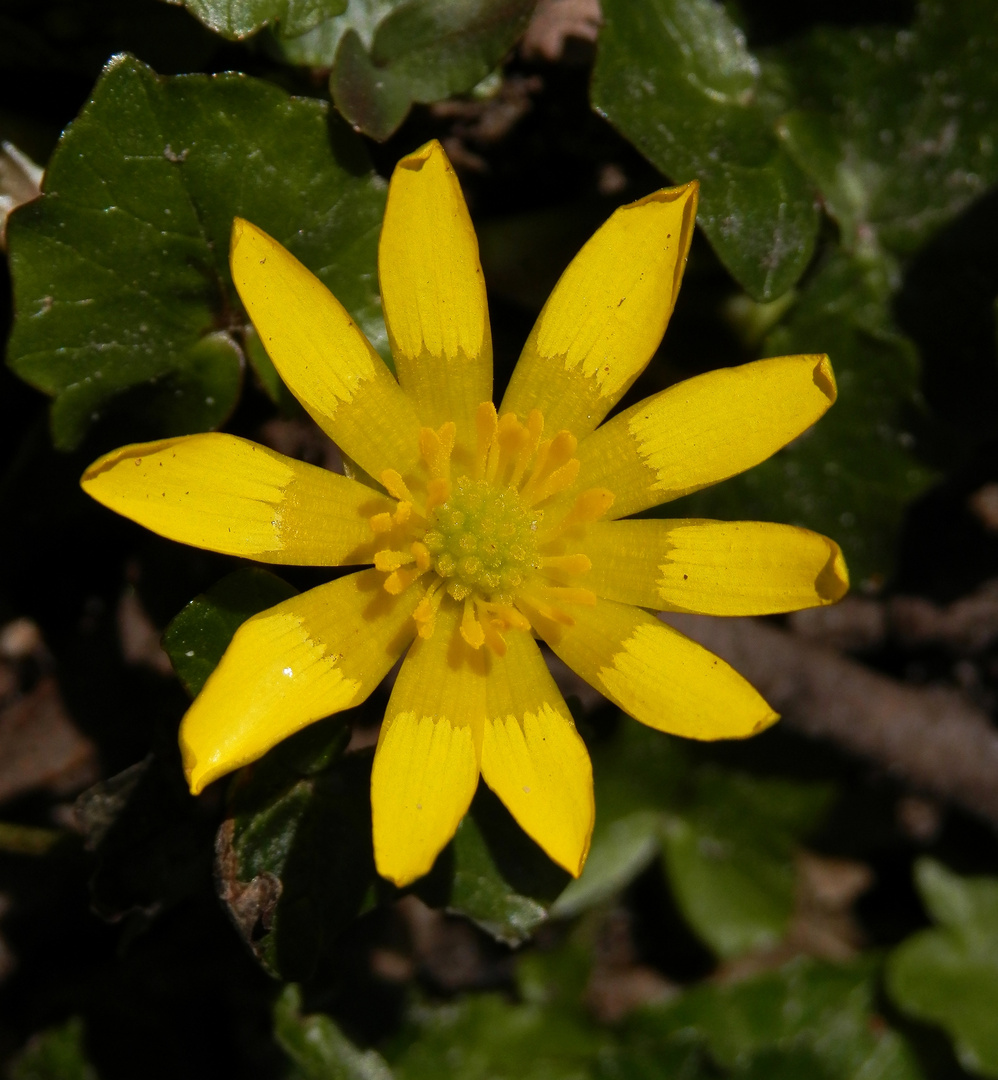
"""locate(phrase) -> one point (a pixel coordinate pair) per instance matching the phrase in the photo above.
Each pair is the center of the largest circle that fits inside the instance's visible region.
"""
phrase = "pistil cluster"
(491, 534)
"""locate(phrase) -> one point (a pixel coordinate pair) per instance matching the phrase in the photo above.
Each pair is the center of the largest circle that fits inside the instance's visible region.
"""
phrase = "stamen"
(437, 447)
(505, 615)
(591, 505)
(553, 470)
(427, 608)
(471, 628)
(400, 580)
(561, 479)
(486, 425)
(389, 560)
(381, 523)
(422, 556)
(437, 492)
(395, 485)
(535, 426)
(566, 566)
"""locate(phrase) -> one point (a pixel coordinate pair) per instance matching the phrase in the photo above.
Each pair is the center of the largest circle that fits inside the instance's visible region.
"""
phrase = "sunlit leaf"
(120, 270)
(246, 17)
(677, 79)
(385, 56)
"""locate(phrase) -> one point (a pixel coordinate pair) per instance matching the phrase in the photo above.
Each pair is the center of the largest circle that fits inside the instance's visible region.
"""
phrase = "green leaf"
(501, 878)
(123, 298)
(486, 1038)
(897, 129)
(391, 56)
(246, 17)
(949, 975)
(808, 1019)
(853, 474)
(197, 637)
(317, 1047)
(728, 839)
(676, 79)
(729, 857)
(56, 1054)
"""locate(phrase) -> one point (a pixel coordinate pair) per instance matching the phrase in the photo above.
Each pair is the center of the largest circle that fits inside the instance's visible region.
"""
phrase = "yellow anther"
(486, 427)
(560, 480)
(381, 523)
(403, 512)
(591, 505)
(427, 608)
(389, 560)
(471, 629)
(395, 485)
(437, 447)
(506, 616)
(400, 580)
(560, 594)
(422, 556)
(566, 566)
(437, 492)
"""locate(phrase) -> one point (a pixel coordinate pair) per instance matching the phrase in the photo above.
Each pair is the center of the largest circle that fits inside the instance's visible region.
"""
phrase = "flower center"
(489, 539)
(482, 540)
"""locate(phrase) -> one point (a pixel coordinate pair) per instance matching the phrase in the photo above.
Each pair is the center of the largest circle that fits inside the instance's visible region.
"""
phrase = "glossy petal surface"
(714, 567)
(323, 357)
(656, 674)
(236, 497)
(704, 430)
(426, 765)
(313, 655)
(433, 292)
(607, 314)
(532, 756)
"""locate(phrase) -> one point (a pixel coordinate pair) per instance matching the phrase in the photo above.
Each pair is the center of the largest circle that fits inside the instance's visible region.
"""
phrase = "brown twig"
(930, 736)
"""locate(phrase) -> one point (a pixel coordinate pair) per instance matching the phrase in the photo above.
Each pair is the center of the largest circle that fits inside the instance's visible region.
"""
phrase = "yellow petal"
(533, 758)
(433, 293)
(656, 674)
(323, 357)
(311, 656)
(426, 765)
(607, 314)
(714, 567)
(704, 430)
(233, 496)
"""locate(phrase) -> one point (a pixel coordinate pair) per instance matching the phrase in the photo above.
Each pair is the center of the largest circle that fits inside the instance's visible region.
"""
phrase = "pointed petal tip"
(824, 378)
(833, 581)
(771, 717)
(427, 152)
(689, 192)
(398, 873)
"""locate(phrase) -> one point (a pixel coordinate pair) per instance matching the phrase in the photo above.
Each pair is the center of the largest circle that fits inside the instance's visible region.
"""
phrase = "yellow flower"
(490, 527)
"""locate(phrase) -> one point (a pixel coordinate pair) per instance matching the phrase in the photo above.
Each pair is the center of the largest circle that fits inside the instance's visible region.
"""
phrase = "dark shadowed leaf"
(676, 78)
(122, 291)
(897, 128)
(303, 798)
(949, 975)
(56, 1054)
(851, 475)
